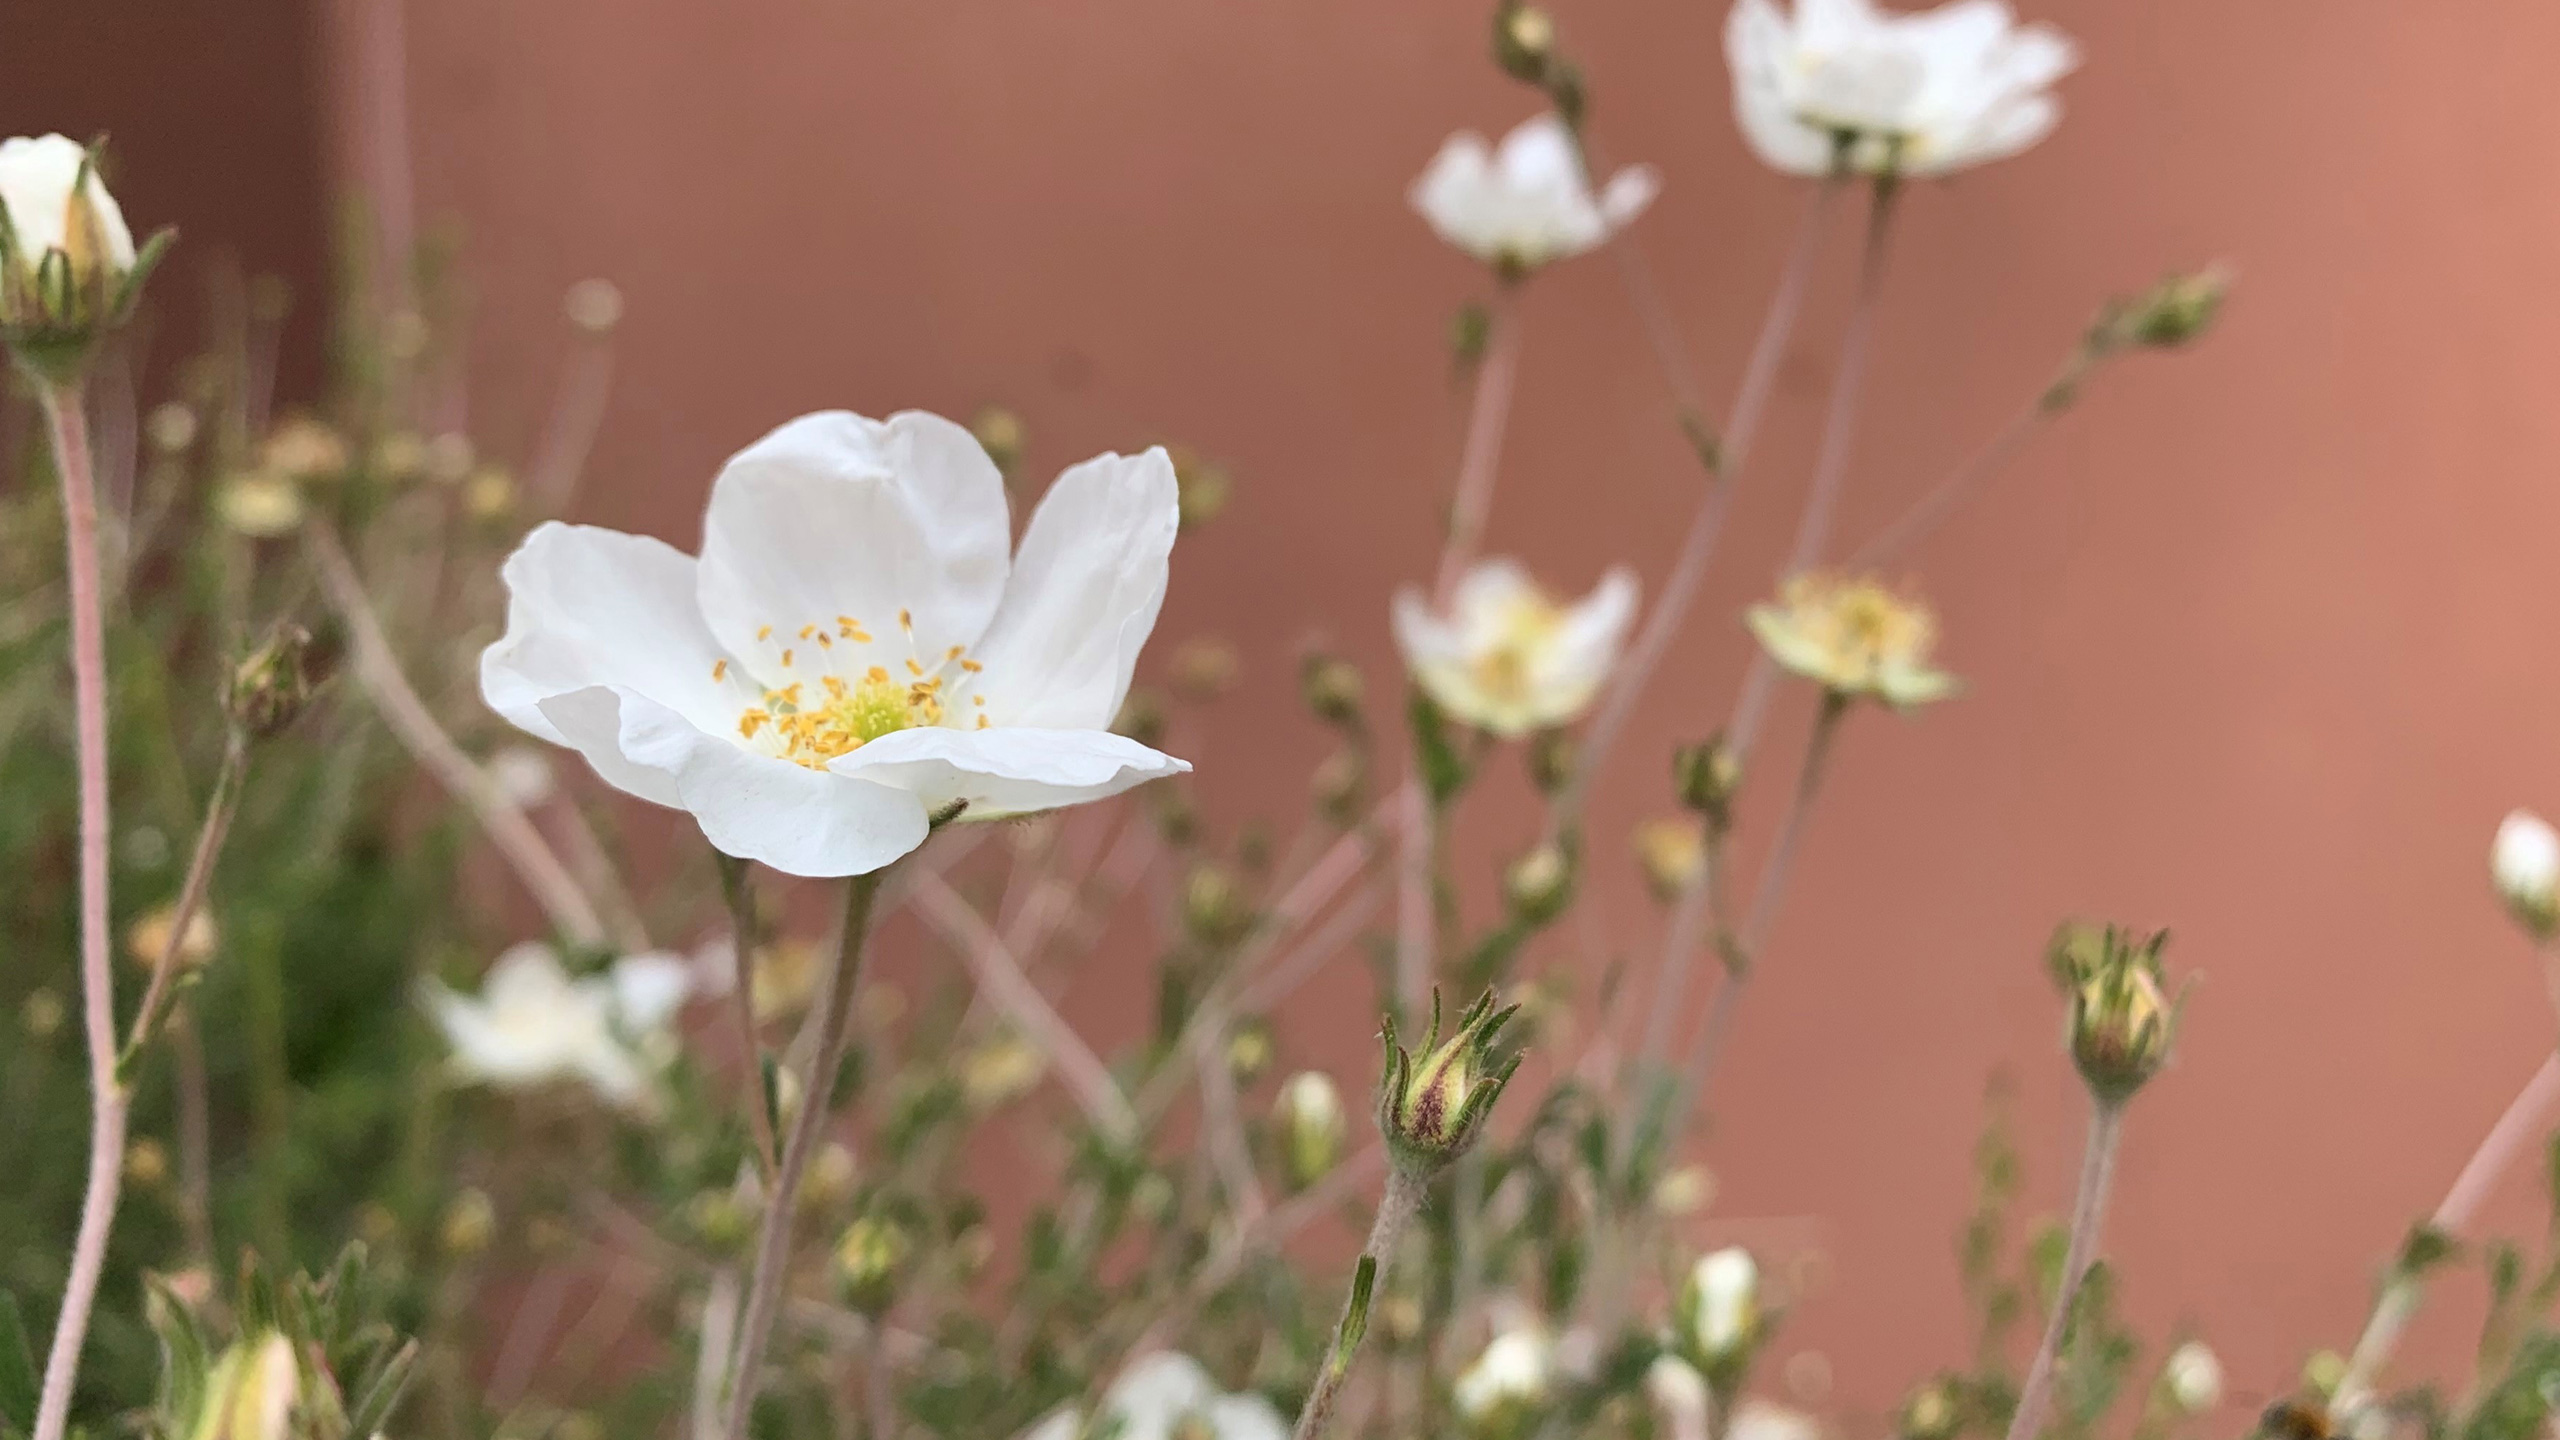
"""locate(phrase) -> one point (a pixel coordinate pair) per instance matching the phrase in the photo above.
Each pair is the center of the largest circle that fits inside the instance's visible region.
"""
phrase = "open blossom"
(1167, 1395)
(1528, 202)
(2524, 861)
(856, 651)
(1853, 638)
(1843, 81)
(531, 1024)
(1508, 659)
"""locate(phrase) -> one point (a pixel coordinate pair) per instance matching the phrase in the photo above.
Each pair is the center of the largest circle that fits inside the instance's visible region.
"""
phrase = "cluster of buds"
(1722, 1322)
(69, 272)
(1309, 1120)
(1431, 1107)
(2122, 1020)
(2524, 863)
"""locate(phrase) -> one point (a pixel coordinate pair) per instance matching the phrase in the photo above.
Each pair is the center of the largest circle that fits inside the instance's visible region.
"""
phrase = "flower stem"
(773, 1244)
(2097, 1172)
(745, 935)
(108, 1099)
(1396, 1208)
(1417, 940)
(210, 835)
(1481, 461)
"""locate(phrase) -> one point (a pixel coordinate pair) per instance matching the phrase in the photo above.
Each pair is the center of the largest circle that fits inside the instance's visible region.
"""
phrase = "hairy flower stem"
(1417, 940)
(745, 937)
(773, 1243)
(1396, 1208)
(1481, 461)
(216, 828)
(2097, 1172)
(108, 1100)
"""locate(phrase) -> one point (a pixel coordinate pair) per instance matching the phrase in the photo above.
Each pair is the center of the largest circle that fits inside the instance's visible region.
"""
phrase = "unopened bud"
(999, 1072)
(303, 447)
(1332, 689)
(1551, 757)
(1204, 669)
(1707, 777)
(2121, 1021)
(1539, 884)
(489, 495)
(2193, 1377)
(42, 1014)
(2524, 863)
(1431, 1106)
(1684, 1191)
(869, 1259)
(260, 507)
(1340, 783)
(1311, 1126)
(148, 937)
(1142, 718)
(1930, 1414)
(1721, 1323)
(721, 1219)
(1002, 435)
(251, 1391)
(1672, 855)
(1250, 1050)
(171, 427)
(1201, 492)
(1524, 41)
(269, 686)
(68, 268)
(594, 305)
(829, 1179)
(1509, 1381)
(146, 1162)
(469, 1223)
(2177, 309)
(1213, 909)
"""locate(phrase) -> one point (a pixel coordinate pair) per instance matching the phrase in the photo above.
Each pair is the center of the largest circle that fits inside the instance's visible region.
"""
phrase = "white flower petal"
(1155, 1392)
(1456, 194)
(1586, 647)
(1628, 193)
(1244, 1417)
(1083, 599)
(1007, 770)
(836, 517)
(587, 607)
(36, 175)
(648, 989)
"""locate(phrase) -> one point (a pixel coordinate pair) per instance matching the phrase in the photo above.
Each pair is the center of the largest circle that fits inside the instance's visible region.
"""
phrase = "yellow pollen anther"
(982, 722)
(914, 669)
(977, 699)
(719, 670)
(954, 652)
(750, 722)
(786, 658)
(906, 621)
(877, 675)
(824, 643)
(764, 632)
(972, 666)
(808, 630)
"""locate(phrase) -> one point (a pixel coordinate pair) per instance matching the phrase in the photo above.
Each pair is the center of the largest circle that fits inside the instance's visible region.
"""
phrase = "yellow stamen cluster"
(812, 722)
(1505, 669)
(1854, 636)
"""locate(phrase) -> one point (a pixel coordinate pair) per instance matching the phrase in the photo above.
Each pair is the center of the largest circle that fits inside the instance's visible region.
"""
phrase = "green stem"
(745, 936)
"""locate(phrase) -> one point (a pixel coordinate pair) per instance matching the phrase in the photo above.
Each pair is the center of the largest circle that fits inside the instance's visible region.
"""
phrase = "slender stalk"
(773, 1245)
(377, 669)
(2097, 1172)
(1480, 462)
(210, 835)
(1416, 911)
(719, 1336)
(195, 1135)
(1698, 547)
(1396, 1209)
(1246, 1240)
(1932, 509)
(108, 1100)
(1224, 1127)
(745, 935)
(1690, 921)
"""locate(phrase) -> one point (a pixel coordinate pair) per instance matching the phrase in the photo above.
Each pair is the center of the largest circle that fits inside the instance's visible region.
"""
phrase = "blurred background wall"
(2257, 643)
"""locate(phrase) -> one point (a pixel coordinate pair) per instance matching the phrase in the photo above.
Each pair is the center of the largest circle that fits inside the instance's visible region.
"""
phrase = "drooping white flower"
(856, 649)
(1514, 1373)
(1914, 94)
(1506, 658)
(2194, 1376)
(531, 1024)
(1724, 1302)
(1158, 1395)
(37, 177)
(2524, 861)
(1528, 202)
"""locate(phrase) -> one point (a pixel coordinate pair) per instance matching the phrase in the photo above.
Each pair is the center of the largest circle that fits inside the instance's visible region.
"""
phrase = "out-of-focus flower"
(1001, 1070)
(42, 1014)
(259, 506)
(1311, 1127)
(1679, 1393)
(1853, 638)
(1167, 1396)
(67, 262)
(1767, 1420)
(146, 1162)
(171, 427)
(532, 1024)
(250, 1393)
(593, 305)
(1511, 1378)
(1527, 203)
(523, 775)
(1537, 886)
(2524, 862)
(470, 1222)
(269, 686)
(1846, 83)
(148, 936)
(302, 447)
(489, 495)
(869, 1259)
(2194, 1377)
(1673, 856)
(1431, 1105)
(1506, 658)
(449, 458)
(855, 652)
(1720, 1310)
(1684, 1191)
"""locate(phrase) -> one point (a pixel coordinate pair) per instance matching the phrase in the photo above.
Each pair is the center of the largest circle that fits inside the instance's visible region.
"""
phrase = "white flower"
(523, 775)
(1529, 202)
(1158, 1394)
(36, 179)
(531, 1024)
(2524, 861)
(1768, 1420)
(1911, 94)
(1506, 658)
(2194, 1374)
(855, 650)
(1724, 1302)
(1679, 1392)
(1514, 1371)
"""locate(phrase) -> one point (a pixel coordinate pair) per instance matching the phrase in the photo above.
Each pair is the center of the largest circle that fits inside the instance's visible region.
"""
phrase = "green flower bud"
(1930, 1414)
(1707, 777)
(869, 1260)
(1539, 884)
(269, 687)
(69, 271)
(1002, 435)
(1524, 41)
(1310, 1121)
(469, 1223)
(1431, 1108)
(2122, 1021)
(1721, 1320)
(1332, 689)
(2177, 309)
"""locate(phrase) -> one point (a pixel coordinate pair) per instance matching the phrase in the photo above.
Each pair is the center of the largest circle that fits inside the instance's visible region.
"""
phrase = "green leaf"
(1355, 1320)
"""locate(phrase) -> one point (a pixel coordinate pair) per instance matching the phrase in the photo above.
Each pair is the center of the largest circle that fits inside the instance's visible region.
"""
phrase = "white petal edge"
(1007, 770)
(1086, 588)
(588, 606)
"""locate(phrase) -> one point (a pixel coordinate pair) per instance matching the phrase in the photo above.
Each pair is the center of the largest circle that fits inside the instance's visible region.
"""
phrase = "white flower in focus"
(855, 650)
(1910, 94)
(2194, 1376)
(531, 1024)
(1165, 1395)
(1724, 1307)
(2524, 861)
(1506, 658)
(1514, 1371)
(1528, 202)
(36, 180)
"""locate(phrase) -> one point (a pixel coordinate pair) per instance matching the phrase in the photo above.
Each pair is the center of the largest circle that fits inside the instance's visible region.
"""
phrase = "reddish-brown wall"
(2258, 645)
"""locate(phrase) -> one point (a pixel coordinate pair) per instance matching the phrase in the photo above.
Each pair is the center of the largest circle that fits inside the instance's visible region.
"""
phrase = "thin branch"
(2097, 1172)
(745, 938)
(210, 835)
(1932, 509)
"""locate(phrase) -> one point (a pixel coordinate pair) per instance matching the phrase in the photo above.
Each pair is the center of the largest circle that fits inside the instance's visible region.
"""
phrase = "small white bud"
(1514, 1371)
(1724, 1316)
(2194, 1376)
(2525, 863)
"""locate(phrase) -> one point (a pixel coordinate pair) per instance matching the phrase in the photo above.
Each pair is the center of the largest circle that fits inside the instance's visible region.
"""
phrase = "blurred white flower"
(855, 650)
(1167, 1394)
(1768, 1420)
(1910, 94)
(2524, 861)
(531, 1024)
(1679, 1393)
(1508, 659)
(522, 774)
(1311, 1126)
(1853, 637)
(2194, 1375)
(1528, 202)
(1724, 1302)
(1514, 1372)
(36, 180)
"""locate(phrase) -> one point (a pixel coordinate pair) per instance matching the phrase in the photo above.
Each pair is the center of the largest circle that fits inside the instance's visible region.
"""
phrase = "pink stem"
(108, 1101)
(1481, 460)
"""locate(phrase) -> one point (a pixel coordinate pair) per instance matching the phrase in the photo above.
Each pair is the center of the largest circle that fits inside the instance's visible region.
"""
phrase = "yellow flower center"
(810, 722)
(1505, 669)
(1861, 626)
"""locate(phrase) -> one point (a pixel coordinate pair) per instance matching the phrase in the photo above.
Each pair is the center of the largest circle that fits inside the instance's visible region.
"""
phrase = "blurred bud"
(828, 1181)
(1153, 1197)
(1250, 1050)
(449, 458)
(1684, 1191)
(171, 427)
(1672, 856)
(302, 447)
(999, 1072)
(405, 334)
(148, 937)
(1310, 1119)
(41, 1014)
(400, 456)
(1930, 1414)
(1524, 41)
(2121, 1022)
(69, 272)
(1176, 814)
(1707, 777)
(1512, 1379)
(1201, 489)
(1000, 433)
(1332, 689)
(1551, 756)
(1539, 884)
(1677, 1390)
(2193, 1377)
(469, 1223)
(251, 1391)
(594, 305)
(2524, 863)
(376, 1223)
(2177, 309)
(1213, 909)
(1401, 1316)
(1142, 718)
(722, 1220)
(523, 775)
(1204, 669)
(972, 1248)
(579, 1425)
(1340, 783)
(1430, 1108)
(868, 1262)
(146, 1162)
(1721, 1324)
(2324, 1371)
(260, 507)
(270, 686)
(489, 495)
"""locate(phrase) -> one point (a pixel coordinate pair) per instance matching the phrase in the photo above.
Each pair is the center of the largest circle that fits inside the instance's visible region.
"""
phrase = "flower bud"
(2121, 1021)
(868, 1261)
(1430, 1108)
(1340, 783)
(1551, 758)
(721, 1219)
(1001, 434)
(1684, 1191)
(469, 1223)
(594, 305)
(1720, 1319)
(2524, 863)
(1332, 689)
(1510, 1380)
(68, 268)
(1250, 1048)
(999, 1072)
(1141, 717)
(1539, 884)
(489, 494)
(2193, 1378)
(1204, 669)
(1201, 490)
(302, 447)
(251, 1391)
(268, 687)
(1213, 909)
(1707, 777)
(1524, 41)
(1930, 1414)
(260, 507)
(829, 1179)
(146, 1162)
(41, 1014)
(148, 937)
(171, 427)
(1672, 856)
(1309, 1114)
(2177, 309)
